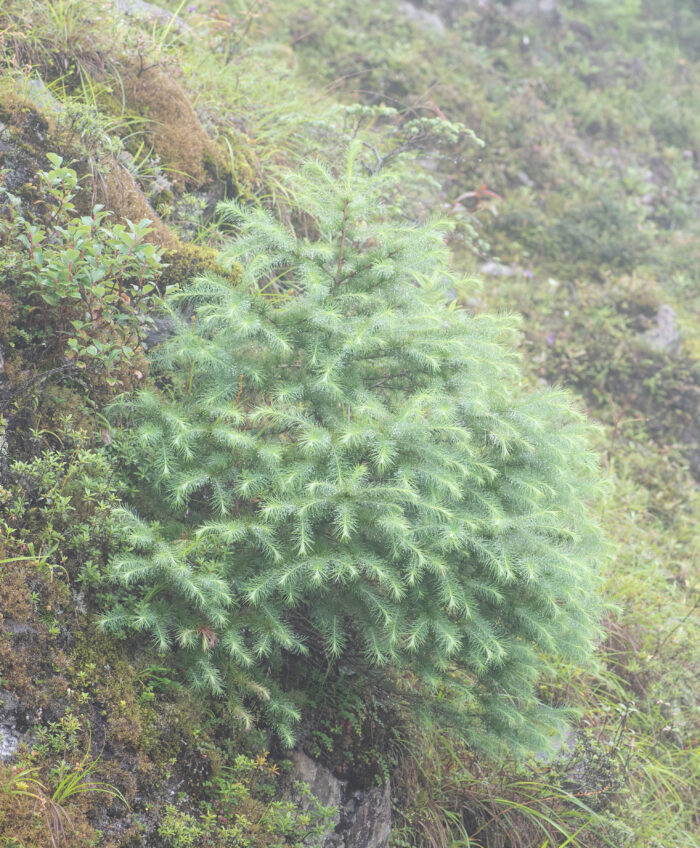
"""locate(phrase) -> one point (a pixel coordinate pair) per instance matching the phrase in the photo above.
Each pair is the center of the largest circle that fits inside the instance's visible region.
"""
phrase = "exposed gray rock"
(18, 157)
(154, 13)
(42, 98)
(363, 819)
(472, 4)
(422, 17)
(326, 788)
(665, 335)
(495, 269)
(368, 814)
(545, 8)
(10, 737)
(162, 328)
(18, 628)
(4, 451)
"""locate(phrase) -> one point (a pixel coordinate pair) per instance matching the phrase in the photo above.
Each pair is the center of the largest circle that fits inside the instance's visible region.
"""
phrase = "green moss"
(192, 260)
(172, 125)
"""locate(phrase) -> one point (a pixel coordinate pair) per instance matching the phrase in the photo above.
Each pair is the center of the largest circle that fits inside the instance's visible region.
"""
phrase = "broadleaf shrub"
(86, 282)
(342, 465)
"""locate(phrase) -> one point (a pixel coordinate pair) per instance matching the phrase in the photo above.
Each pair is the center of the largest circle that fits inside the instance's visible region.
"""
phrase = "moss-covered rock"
(192, 260)
(173, 127)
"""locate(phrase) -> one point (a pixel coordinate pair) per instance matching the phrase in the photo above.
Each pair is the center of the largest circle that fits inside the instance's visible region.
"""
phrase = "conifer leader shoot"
(339, 457)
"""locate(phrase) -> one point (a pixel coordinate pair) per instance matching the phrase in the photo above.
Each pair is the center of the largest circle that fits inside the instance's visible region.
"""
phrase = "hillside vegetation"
(349, 389)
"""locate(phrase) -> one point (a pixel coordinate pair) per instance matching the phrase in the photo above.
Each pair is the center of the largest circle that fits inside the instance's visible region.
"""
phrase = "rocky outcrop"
(545, 8)
(10, 721)
(665, 335)
(363, 819)
(153, 13)
(423, 18)
(40, 95)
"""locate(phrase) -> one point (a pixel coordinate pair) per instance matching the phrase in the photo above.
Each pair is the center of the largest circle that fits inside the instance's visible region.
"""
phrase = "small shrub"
(59, 507)
(245, 813)
(87, 284)
(347, 468)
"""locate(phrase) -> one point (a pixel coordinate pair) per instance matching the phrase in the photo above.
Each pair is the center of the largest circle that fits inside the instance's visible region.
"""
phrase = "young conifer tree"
(348, 464)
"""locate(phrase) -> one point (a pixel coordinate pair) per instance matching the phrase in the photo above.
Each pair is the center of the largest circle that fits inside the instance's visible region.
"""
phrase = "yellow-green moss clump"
(174, 129)
(192, 260)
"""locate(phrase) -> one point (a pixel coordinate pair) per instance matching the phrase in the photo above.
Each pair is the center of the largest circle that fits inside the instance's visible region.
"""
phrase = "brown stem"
(342, 240)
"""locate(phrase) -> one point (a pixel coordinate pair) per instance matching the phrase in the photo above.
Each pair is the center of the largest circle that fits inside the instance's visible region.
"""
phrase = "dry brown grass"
(119, 192)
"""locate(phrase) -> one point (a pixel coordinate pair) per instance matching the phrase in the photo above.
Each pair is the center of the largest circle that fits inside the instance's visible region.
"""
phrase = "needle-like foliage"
(349, 465)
